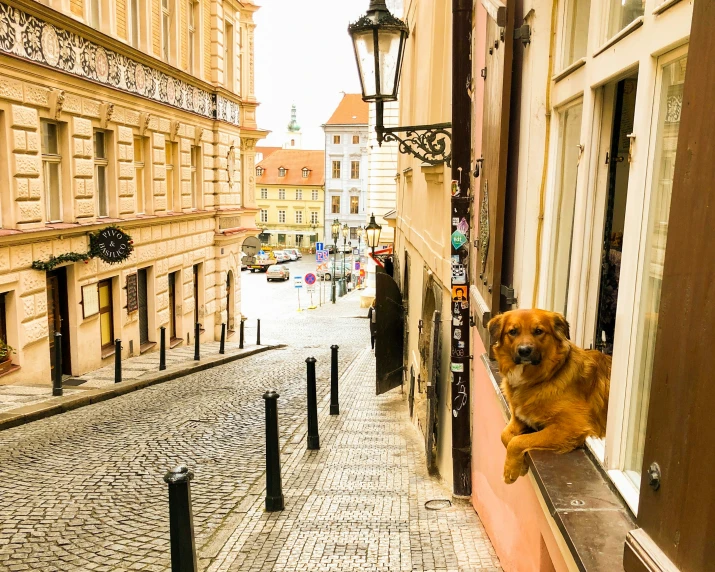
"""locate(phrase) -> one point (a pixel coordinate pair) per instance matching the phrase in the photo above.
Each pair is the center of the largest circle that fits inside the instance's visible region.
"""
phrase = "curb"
(90, 396)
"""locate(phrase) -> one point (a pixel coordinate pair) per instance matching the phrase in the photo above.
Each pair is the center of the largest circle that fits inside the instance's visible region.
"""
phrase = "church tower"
(294, 137)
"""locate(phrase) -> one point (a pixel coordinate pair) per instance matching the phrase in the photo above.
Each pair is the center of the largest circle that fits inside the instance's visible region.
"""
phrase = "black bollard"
(334, 403)
(222, 348)
(274, 488)
(197, 334)
(117, 361)
(181, 525)
(240, 337)
(258, 333)
(57, 380)
(162, 349)
(313, 438)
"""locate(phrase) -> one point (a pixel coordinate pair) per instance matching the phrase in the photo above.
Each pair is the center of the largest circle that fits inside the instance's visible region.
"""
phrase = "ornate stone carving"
(57, 101)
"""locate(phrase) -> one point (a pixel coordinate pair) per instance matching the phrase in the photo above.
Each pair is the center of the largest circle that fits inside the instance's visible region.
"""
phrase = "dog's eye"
(513, 332)
(538, 331)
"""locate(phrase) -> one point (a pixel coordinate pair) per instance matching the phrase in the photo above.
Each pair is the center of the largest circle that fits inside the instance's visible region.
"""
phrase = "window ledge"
(664, 6)
(11, 369)
(109, 352)
(632, 27)
(173, 342)
(146, 347)
(590, 514)
(569, 70)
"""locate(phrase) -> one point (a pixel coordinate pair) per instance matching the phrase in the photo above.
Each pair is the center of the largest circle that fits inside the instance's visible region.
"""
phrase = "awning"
(390, 215)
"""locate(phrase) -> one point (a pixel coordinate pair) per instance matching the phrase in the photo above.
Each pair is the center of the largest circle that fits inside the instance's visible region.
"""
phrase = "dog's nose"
(525, 351)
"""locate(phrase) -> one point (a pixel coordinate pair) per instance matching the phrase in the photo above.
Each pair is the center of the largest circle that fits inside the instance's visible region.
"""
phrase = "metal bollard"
(313, 437)
(162, 349)
(334, 403)
(57, 380)
(274, 487)
(258, 333)
(117, 361)
(240, 336)
(197, 334)
(181, 525)
(222, 348)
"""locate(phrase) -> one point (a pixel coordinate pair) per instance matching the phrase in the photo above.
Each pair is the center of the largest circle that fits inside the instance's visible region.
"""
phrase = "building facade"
(346, 167)
(291, 197)
(382, 170)
(138, 115)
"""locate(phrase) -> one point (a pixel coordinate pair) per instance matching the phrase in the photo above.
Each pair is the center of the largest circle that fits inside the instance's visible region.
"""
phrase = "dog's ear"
(561, 327)
(495, 326)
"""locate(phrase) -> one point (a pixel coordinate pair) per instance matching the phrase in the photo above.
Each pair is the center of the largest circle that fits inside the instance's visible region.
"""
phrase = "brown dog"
(554, 388)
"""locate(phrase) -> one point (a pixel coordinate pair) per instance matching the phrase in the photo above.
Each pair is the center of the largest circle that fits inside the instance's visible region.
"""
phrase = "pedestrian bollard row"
(313, 437)
(181, 523)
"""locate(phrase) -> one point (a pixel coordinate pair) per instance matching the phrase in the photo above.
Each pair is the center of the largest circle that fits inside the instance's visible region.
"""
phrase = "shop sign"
(132, 297)
(112, 245)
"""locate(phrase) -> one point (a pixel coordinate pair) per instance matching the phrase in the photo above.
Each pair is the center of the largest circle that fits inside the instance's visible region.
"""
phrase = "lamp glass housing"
(373, 231)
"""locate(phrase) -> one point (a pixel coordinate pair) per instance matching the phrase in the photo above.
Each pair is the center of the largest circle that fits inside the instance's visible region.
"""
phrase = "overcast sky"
(304, 56)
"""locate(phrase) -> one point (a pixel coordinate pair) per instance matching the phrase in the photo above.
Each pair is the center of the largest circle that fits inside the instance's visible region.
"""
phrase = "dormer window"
(305, 172)
(259, 171)
(281, 172)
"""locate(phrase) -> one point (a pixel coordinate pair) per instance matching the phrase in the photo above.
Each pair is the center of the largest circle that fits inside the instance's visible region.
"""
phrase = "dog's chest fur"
(515, 380)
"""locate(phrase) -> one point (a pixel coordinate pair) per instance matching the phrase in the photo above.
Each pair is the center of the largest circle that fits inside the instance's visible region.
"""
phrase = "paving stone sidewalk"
(358, 503)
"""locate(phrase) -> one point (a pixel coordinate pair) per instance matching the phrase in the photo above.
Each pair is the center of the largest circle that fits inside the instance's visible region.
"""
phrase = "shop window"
(52, 170)
(569, 152)
(281, 194)
(336, 169)
(281, 216)
(106, 314)
(574, 39)
(264, 193)
(354, 169)
(264, 215)
(298, 217)
(299, 195)
(354, 205)
(335, 205)
(314, 195)
(620, 13)
(139, 174)
(336, 139)
(101, 179)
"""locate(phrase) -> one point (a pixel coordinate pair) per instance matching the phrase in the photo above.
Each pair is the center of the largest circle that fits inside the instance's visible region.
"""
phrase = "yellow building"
(138, 114)
(291, 187)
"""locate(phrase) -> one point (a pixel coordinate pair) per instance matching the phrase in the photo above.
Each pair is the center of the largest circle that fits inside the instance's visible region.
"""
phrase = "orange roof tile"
(352, 110)
(293, 160)
(267, 151)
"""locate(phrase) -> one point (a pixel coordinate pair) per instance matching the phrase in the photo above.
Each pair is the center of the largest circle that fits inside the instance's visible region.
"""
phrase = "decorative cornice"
(32, 39)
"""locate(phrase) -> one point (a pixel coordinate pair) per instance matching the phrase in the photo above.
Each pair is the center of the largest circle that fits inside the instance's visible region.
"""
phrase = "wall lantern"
(379, 42)
(373, 231)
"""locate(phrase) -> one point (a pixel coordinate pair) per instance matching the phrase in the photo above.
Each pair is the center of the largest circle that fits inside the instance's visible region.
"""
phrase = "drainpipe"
(460, 367)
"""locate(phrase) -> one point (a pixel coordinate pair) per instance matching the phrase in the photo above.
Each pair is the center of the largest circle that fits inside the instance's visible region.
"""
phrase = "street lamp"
(373, 231)
(335, 228)
(346, 230)
(313, 226)
(379, 43)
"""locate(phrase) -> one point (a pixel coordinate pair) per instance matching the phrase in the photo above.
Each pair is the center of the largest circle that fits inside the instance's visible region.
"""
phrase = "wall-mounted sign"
(90, 300)
(132, 298)
(112, 245)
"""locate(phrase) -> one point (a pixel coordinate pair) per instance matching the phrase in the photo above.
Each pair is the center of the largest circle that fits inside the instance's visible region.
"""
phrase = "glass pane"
(389, 54)
(102, 190)
(105, 321)
(94, 13)
(622, 13)
(49, 138)
(104, 295)
(139, 181)
(134, 22)
(569, 151)
(365, 50)
(671, 100)
(53, 191)
(99, 151)
(575, 38)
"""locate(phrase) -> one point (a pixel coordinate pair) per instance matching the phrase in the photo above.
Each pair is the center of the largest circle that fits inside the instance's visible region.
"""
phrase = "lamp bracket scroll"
(432, 144)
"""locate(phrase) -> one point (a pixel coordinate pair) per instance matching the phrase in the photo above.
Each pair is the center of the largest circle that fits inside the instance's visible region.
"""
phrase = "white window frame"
(101, 165)
(298, 217)
(51, 158)
(299, 194)
(264, 215)
(314, 195)
(281, 194)
(281, 216)
(264, 194)
(314, 217)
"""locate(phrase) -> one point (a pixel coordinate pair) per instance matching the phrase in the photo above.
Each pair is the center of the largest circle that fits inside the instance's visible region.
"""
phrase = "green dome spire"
(293, 126)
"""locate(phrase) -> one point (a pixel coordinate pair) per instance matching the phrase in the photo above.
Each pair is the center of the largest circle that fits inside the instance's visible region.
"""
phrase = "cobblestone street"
(84, 490)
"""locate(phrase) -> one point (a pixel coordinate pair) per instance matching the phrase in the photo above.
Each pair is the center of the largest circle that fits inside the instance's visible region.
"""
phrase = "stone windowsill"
(13, 369)
(146, 347)
(591, 515)
(174, 342)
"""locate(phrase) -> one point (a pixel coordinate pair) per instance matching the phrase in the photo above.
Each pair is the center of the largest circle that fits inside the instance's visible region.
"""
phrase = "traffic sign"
(310, 279)
(322, 255)
(319, 246)
(298, 281)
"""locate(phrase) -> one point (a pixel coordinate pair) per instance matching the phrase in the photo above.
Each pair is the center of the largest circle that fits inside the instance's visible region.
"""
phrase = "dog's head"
(529, 337)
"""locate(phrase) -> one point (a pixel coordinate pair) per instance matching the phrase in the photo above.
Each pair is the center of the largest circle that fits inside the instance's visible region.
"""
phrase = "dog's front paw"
(507, 435)
(513, 469)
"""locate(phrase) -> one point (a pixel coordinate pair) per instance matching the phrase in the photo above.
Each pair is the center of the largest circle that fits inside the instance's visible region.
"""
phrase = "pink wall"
(511, 514)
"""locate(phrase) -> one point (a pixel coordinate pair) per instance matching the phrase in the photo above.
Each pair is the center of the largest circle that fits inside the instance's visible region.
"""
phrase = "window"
(195, 176)
(170, 174)
(281, 217)
(354, 205)
(281, 172)
(106, 315)
(264, 215)
(94, 16)
(305, 173)
(100, 173)
(133, 18)
(574, 39)
(281, 194)
(228, 54)
(314, 195)
(264, 193)
(299, 195)
(335, 205)
(568, 159)
(3, 319)
(620, 13)
(52, 170)
(356, 139)
(165, 29)
(139, 174)
(259, 171)
(354, 169)
(336, 169)
(313, 217)
(192, 9)
(298, 217)
(353, 233)
(336, 139)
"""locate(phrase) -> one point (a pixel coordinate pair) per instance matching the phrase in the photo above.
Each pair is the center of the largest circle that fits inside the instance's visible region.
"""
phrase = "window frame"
(314, 217)
(3, 317)
(354, 139)
(171, 171)
(109, 309)
(193, 22)
(299, 194)
(166, 15)
(336, 169)
(134, 36)
(264, 194)
(281, 194)
(337, 139)
(140, 175)
(281, 216)
(333, 199)
(101, 165)
(299, 217)
(306, 172)
(314, 195)
(354, 204)
(264, 219)
(51, 158)
(196, 181)
(354, 170)
(281, 171)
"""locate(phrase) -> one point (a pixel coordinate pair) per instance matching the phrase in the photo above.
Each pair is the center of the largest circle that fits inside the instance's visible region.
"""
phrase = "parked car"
(281, 256)
(276, 272)
(291, 254)
(340, 271)
(294, 252)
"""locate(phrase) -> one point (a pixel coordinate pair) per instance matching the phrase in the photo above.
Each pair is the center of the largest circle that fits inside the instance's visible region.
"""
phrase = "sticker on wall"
(460, 345)
(458, 367)
(463, 226)
(457, 334)
(458, 320)
(455, 189)
(459, 293)
(458, 239)
(459, 274)
(455, 221)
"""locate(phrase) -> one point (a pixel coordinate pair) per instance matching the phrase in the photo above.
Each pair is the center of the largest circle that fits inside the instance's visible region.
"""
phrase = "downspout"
(545, 168)
(460, 367)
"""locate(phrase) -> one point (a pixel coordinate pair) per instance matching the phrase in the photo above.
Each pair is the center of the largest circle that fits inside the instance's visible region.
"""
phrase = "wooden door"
(172, 305)
(143, 306)
(678, 516)
(390, 323)
(492, 180)
(58, 318)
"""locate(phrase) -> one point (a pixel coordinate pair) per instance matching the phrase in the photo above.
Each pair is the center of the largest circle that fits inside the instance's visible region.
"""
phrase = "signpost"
(310, 280)
(298, 284)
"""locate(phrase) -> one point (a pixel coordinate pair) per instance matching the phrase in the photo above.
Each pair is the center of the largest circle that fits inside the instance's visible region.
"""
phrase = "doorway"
(172, 307)
(106, 316)
(229, 308)
(58, 318)
(143, 308)
(618, 165)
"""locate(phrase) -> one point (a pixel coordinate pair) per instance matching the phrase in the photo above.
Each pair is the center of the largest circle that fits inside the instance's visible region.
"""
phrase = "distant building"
(346, 166)
(294, 136)
(290, 196)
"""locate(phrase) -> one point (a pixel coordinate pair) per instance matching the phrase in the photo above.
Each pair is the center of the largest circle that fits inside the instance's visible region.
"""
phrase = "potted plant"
(6, 352)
